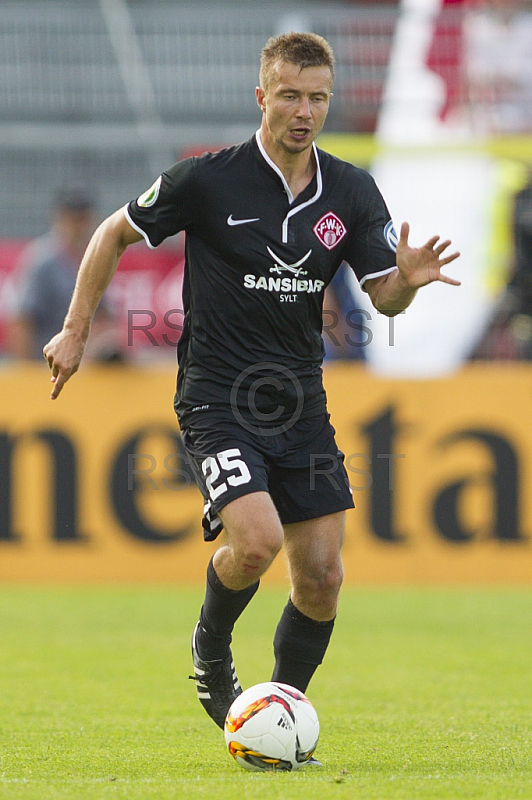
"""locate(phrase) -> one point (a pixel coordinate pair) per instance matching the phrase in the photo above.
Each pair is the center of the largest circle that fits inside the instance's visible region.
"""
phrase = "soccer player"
(268, 222)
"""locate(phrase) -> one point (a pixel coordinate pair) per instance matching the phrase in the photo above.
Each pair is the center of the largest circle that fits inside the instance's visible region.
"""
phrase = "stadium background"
(93, 487)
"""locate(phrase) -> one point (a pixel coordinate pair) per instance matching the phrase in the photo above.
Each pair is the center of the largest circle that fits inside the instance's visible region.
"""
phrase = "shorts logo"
(391, 237)
(150, 197)
(330, 230)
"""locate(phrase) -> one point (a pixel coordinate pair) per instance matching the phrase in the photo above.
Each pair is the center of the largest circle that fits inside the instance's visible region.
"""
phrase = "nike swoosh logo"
(231, 221)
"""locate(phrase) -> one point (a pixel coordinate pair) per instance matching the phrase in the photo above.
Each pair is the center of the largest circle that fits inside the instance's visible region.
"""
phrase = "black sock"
(221, 609)
(299, 646)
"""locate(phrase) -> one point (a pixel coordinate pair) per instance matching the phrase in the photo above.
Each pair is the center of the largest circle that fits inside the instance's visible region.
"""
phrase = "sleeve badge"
(149, 197)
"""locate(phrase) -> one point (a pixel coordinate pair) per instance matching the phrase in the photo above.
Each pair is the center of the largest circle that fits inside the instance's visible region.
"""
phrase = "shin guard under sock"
(299, 646)
(221, 609)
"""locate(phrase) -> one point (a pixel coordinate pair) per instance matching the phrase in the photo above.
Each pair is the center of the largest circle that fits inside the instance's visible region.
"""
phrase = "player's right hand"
(63, 354)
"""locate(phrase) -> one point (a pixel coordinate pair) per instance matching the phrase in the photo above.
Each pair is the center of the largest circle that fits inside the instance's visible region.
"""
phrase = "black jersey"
(257, 264)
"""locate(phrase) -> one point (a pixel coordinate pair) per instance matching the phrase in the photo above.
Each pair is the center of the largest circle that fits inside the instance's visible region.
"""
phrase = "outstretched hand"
(420, 266)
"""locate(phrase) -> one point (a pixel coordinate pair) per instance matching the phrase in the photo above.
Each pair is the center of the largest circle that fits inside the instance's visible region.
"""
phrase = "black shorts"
(301, 468)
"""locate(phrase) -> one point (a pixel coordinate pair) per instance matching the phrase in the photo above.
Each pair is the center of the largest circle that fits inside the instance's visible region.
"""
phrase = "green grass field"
(424, 694)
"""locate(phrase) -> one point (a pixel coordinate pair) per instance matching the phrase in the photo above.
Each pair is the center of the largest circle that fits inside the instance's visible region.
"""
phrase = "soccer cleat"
(216, 683)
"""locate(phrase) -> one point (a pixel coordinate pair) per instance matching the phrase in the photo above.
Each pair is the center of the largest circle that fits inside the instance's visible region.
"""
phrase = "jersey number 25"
(224, 462)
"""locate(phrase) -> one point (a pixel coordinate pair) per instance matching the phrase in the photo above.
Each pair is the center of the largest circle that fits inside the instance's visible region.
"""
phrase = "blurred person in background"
(508, 336)
(47, 276)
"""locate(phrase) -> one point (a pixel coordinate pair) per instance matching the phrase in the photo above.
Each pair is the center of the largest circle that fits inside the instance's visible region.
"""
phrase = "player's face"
(294, 107)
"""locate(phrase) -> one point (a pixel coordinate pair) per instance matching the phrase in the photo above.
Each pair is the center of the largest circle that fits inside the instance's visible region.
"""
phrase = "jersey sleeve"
(370, 250)
(167, 207)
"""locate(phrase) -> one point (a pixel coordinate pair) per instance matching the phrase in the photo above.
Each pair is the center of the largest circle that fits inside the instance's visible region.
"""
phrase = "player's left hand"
(419, 266)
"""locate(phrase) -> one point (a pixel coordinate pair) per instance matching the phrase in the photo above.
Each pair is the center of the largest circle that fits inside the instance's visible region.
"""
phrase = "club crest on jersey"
(330, 230)
(150, 197)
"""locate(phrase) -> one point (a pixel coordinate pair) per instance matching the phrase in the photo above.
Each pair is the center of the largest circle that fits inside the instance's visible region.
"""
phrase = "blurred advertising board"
(95, 486)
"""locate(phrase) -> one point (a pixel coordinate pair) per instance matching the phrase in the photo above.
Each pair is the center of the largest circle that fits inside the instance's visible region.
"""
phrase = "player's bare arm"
(65, 350)
(416, 267)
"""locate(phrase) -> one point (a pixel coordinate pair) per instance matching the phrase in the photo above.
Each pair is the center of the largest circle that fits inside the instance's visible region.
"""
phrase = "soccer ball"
(271, 726)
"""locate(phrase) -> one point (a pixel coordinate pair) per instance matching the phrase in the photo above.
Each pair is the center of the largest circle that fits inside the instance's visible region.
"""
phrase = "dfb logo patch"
(330, 230)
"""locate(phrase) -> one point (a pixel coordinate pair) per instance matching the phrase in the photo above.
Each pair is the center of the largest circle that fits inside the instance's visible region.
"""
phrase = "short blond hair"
(302, 49)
